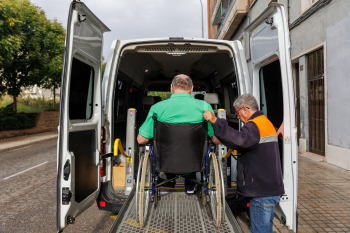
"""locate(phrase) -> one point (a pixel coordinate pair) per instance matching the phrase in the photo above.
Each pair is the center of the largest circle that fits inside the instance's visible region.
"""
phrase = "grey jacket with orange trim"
(259, 172)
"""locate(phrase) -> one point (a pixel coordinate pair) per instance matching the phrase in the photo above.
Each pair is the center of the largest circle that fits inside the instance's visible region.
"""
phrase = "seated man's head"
(181, 84)
(245, 105)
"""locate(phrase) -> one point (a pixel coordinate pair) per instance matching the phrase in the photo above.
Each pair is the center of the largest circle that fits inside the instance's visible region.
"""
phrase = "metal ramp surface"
(175, 212)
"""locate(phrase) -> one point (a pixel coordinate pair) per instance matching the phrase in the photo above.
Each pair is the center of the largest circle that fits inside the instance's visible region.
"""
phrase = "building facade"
(320, 52)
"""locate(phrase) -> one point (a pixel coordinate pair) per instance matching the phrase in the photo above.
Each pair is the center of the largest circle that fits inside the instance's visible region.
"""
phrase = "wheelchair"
(180, 149)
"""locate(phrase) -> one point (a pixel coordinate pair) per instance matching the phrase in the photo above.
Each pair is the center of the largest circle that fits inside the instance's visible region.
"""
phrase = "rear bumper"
(238, 205)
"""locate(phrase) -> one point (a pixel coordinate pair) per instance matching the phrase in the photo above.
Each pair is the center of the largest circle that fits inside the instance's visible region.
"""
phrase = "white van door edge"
(78, 148)
(269, 45)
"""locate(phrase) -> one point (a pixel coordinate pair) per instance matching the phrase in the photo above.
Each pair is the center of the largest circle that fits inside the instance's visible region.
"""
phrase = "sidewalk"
(22, 141)
(323, 196)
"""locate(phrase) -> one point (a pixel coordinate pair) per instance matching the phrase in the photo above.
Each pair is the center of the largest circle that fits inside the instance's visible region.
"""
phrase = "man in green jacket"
(180, 108)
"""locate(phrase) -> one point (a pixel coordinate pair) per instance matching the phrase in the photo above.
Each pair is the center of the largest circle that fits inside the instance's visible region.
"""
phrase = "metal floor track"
(176, 212)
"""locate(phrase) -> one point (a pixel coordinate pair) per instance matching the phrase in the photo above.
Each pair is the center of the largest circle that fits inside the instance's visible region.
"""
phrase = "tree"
(103, 66)
(10, 36)
(56, 37)
(26, 25)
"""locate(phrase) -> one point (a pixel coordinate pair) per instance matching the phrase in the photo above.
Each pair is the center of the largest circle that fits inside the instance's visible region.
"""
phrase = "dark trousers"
(188, 185)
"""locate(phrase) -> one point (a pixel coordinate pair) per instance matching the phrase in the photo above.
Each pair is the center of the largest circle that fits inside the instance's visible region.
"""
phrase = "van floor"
(175, 212)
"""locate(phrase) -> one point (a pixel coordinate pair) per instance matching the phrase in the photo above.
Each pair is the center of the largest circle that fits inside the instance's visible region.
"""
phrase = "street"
(28, 193)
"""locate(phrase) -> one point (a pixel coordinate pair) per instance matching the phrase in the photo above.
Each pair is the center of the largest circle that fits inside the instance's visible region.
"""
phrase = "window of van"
(120, 97)
(233, 94)
(221, 96)
(81, 91)
(162, 95)
(271, 95)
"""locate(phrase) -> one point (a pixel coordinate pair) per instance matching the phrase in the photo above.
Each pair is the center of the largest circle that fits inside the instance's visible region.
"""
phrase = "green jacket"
(180, 108)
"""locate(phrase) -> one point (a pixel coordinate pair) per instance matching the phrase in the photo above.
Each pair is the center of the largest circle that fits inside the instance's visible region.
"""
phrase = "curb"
(25, 145)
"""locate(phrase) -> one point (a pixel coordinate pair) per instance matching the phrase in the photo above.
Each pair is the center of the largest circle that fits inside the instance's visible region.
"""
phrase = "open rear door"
(272, 81)
(78, 149)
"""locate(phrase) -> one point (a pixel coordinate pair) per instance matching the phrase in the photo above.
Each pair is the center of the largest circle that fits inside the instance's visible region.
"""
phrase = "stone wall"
(45, 121)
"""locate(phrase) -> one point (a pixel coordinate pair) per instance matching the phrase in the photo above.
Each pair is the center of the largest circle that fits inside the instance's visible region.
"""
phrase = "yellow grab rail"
(235, 152)
(118, 144)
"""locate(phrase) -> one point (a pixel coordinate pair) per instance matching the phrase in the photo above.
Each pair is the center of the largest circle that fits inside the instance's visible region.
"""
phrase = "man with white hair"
(180, 108)
(259, 173)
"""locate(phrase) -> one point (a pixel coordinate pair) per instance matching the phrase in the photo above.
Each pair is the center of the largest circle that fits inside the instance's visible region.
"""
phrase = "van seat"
(157, 99)
(212, 99)
(199, 96)
(147, 103)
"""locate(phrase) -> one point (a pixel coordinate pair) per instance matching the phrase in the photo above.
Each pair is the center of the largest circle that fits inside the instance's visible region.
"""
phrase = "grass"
(29, 105)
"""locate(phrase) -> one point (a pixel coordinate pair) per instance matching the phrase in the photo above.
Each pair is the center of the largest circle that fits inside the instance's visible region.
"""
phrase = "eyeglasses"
(237, 112)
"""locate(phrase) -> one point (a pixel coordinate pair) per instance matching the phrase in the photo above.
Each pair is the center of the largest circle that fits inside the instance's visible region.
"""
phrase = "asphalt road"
(28, 193)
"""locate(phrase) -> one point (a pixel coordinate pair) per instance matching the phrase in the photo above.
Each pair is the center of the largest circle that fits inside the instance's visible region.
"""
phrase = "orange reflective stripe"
(265, 126)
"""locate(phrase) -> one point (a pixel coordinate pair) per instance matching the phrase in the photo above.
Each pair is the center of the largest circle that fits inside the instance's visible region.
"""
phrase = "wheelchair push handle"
(118, 144)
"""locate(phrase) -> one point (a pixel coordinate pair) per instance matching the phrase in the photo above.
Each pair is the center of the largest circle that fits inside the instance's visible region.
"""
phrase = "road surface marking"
(25, 171)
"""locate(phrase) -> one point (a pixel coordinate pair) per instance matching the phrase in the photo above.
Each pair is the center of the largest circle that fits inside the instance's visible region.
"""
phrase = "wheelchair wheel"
(144, 191)
(204, 199)
(215, 190)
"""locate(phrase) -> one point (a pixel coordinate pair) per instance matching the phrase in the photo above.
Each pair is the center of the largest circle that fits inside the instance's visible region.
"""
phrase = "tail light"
(248, 204)
(102, 171)
(102, 203)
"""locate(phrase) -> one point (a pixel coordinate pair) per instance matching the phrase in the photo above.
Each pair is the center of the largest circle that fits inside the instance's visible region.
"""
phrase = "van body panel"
(78, 152)
(269, 46)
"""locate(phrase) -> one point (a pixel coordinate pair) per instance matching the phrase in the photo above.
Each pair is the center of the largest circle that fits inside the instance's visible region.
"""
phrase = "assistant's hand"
(215, 140)
(209, 116)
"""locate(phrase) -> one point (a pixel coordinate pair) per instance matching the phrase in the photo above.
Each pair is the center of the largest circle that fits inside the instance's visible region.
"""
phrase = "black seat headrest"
(199, 96)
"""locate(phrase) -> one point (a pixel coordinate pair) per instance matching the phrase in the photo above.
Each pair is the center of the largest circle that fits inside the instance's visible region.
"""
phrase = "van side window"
(81, 91)
(233, 94)
(271, 93)
(120, 97)
(221, 95)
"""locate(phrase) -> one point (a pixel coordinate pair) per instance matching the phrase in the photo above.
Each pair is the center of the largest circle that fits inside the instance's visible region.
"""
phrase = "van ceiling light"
(176, 53)
(146, 71)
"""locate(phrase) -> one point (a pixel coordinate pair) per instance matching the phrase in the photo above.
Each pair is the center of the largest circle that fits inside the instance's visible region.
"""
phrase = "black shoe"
(191, 190)
(170, 184)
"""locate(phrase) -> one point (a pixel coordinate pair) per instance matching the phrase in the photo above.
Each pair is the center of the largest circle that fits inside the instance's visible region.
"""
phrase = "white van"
(93, 113)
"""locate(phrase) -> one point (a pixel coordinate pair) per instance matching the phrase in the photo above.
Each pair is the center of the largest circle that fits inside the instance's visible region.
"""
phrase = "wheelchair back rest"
(180, 148)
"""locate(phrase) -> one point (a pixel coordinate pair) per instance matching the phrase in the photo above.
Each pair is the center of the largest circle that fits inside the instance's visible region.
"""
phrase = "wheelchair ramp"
(175, 212)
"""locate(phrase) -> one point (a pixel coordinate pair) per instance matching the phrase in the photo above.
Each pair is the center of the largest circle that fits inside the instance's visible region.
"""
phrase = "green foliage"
(56, 37)
(10, 121)
(103, 66)
(39, 103)
(162, 95)
(30, 47)
(27, 104)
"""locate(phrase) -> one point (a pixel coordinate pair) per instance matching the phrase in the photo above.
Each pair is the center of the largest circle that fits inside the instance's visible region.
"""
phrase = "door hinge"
(81, 18)
(284, 197)
(70, 220)
(66, 196)
(269, 20)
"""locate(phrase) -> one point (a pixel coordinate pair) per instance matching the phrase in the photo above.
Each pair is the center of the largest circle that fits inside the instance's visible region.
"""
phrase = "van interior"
(146, 70)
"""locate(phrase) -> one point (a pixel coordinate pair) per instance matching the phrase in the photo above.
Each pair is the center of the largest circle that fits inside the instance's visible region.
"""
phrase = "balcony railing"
(233, 16)
(212, 10)
(230, 6)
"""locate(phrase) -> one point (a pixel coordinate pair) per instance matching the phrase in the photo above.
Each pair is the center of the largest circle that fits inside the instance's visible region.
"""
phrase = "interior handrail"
(235, 153)
(118, 144)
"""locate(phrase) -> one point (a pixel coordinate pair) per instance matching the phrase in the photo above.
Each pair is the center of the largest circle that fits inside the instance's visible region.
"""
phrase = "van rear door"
(272, 85)
(78, 149)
